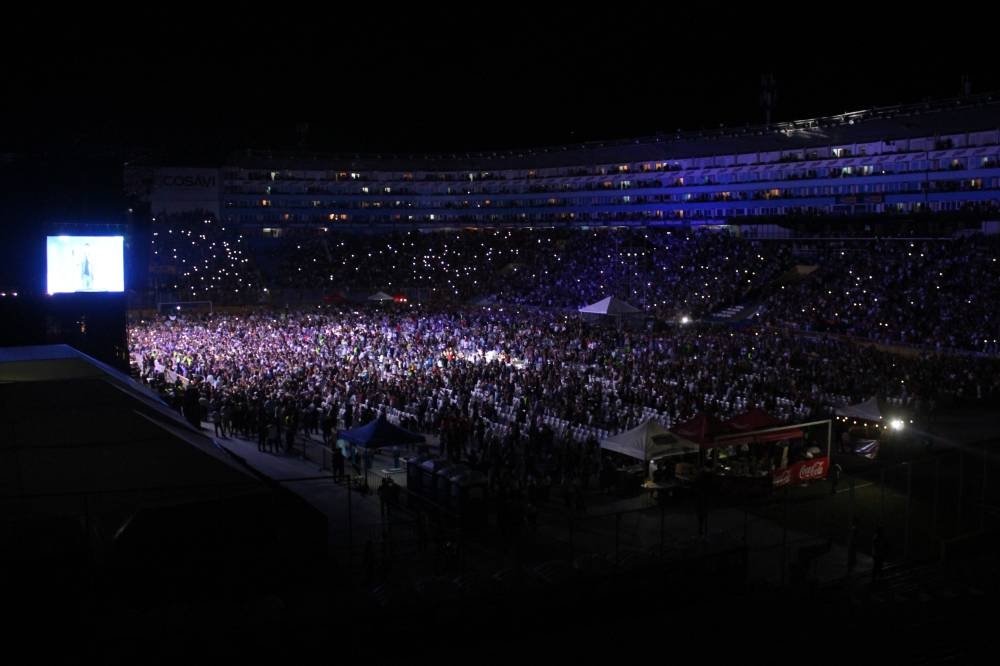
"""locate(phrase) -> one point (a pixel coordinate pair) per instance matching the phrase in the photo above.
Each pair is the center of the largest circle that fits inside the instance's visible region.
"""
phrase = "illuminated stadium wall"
(901, 160)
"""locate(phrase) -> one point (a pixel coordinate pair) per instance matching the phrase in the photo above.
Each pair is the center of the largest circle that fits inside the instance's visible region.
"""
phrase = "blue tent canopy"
(380, 433)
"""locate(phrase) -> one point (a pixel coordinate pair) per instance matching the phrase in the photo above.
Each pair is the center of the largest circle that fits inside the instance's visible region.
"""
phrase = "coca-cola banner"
(802, 471)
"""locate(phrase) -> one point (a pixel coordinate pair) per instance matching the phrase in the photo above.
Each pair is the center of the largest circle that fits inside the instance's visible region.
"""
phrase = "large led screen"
(85, 263)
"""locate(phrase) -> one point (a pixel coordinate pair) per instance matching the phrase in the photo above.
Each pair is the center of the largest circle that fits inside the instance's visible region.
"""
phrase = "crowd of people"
(936, 294)
(522, 388)
(665, 272)
(195, 257)
(939, 294)
(668, 274)
(524, 396)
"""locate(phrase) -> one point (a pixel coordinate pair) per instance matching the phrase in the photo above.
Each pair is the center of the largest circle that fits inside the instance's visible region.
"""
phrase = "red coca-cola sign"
(802, 471)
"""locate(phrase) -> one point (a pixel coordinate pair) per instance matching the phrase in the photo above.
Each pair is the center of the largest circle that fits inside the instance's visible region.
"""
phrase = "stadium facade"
(924, 159)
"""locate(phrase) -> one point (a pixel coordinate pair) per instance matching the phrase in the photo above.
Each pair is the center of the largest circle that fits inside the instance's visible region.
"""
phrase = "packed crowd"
(195, 257)
(521, 396)
(940, 294)
(935, 294)
(665, 272)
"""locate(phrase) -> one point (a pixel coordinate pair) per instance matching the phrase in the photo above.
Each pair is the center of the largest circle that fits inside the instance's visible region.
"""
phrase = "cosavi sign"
(185, 189)
(188, 180)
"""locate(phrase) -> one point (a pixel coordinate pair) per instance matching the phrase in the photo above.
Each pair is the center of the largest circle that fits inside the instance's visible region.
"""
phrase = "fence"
(932, 507)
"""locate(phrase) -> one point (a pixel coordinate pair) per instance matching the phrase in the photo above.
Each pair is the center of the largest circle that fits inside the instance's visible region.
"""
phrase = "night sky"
(192, 90)
(174, 87)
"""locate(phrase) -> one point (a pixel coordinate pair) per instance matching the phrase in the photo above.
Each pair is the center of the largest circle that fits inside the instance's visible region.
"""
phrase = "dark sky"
(85, 93)
(188, 88)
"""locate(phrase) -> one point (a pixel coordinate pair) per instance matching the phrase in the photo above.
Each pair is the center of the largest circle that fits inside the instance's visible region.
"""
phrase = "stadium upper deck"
(927, 158)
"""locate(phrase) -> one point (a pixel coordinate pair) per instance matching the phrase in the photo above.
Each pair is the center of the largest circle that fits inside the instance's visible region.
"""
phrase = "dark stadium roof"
(890, 123)
(75, 425)
(91, 462)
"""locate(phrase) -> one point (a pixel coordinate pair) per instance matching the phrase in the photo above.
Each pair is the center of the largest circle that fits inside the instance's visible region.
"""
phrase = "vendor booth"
(751, 453)
(648, 440)
(377, 434)
(659, 450)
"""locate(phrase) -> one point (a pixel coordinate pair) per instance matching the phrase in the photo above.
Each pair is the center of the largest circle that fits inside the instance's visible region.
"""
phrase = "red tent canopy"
(755, 419)
(751, 438)
(702, 429)
(709, 432)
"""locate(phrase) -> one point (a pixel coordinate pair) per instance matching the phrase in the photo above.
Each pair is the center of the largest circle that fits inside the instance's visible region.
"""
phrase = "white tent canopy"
(380, 296)
(867, 410)
(610, 306)
(646, 441)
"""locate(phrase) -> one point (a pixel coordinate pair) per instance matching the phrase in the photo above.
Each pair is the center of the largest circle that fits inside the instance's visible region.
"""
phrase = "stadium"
(599, 386)
(898, 161)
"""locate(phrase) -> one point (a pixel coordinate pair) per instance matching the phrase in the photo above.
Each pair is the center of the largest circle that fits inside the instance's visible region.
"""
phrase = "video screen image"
(85, 263)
